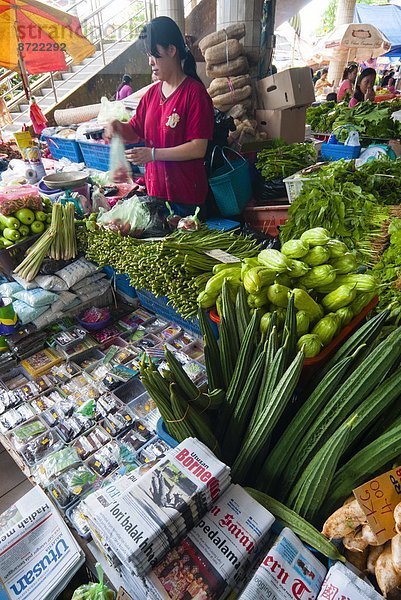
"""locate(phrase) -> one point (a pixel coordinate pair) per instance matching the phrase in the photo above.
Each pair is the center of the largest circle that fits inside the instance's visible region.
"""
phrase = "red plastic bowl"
(94, 326)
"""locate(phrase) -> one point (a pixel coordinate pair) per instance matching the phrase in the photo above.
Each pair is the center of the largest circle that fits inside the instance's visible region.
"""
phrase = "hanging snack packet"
(120, 169)
(172, 219)
(191, 223)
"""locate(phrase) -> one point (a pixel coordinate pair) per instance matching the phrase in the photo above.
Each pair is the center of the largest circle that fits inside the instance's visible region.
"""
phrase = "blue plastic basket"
(97, 156)
(231, 184)
(338, 151)
(122, 282)
(161, 431)
(159, 306)
(62, 148)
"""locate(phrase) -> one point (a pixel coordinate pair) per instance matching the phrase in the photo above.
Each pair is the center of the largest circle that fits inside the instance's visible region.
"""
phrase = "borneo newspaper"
(148, 518)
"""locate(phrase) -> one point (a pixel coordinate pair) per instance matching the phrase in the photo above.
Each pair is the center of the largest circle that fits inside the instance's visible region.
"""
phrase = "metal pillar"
(242, 11)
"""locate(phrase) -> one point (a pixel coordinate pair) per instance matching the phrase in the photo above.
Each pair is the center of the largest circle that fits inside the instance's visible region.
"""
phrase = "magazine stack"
(289, 571)
(38, 555)
(217, 554)
(137, 526)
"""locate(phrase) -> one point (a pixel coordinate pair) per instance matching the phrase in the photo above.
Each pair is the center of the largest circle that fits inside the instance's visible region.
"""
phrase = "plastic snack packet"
(94, 591)
(189, 224)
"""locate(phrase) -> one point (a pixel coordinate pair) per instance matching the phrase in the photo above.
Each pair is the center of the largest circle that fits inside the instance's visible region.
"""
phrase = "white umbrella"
(359, 40)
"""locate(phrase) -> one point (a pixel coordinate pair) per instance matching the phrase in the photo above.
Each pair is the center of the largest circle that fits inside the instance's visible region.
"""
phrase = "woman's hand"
(370, 94)
(139, 156)
(111, 129)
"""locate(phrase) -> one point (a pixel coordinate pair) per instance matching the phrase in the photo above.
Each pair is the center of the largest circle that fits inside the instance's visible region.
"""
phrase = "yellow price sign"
(23, 139)
(378, 499)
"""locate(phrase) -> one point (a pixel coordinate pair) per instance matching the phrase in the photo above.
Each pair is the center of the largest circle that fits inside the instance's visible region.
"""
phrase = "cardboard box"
(287, 124)
(293, 87)
(123, 595)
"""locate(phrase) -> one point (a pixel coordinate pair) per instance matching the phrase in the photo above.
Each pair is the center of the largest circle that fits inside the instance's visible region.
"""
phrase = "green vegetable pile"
(372, 120)
(177, 267)
(320, 273)
(347, 211)
(380, 177)
(281, 160)
(388, 272)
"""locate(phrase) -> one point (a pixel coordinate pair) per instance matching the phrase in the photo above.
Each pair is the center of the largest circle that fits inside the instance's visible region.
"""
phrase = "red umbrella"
(35, 37)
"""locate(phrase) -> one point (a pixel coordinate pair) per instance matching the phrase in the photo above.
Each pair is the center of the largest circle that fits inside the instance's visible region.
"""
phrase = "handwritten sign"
(378, 499)
(222, 256)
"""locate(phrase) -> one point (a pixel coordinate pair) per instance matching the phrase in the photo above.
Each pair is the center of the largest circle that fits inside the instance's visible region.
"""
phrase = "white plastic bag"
(37, 297)
(128, 217)
(120, 169)
(352, 139)
(76, 271)
(51, 282)
(111, 111)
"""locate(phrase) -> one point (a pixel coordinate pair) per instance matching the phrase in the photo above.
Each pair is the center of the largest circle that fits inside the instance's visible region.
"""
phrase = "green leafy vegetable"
(283, 160)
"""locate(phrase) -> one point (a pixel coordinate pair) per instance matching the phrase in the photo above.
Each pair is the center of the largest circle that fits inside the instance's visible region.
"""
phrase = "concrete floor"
(13, 483)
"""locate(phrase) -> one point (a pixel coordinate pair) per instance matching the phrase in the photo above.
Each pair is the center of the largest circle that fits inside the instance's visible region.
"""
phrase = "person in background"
(364, 87)
(385, 74)
(175, 118)
(347, 84)
(124, 89)
(322, 83)
(332, 97)
(386, 79)
(316, 77)
(391, 86)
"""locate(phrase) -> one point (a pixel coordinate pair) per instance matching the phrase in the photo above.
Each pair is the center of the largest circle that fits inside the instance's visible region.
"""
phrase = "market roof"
(387, 18)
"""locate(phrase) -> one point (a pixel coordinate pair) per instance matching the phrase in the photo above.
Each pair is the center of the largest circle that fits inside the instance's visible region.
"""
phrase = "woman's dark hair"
(164, 32)
(126, 81)
(387, 78)
(332, 97)
(348, 70)
(325, 71)
(365, 73)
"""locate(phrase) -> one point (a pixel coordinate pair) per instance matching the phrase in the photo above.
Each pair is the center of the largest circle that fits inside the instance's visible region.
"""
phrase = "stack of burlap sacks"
(231, 88)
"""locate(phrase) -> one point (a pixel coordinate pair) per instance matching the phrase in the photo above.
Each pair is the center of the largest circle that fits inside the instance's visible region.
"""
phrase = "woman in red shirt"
(175, 118)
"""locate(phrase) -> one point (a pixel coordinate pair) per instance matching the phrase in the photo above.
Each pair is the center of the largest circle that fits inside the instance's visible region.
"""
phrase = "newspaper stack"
(215, 557)
(142, 523)
(341, 582)
(289, 571)
(38, 555)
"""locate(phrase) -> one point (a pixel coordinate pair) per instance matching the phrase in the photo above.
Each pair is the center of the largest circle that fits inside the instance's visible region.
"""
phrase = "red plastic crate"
(266, 218)
(311, 365)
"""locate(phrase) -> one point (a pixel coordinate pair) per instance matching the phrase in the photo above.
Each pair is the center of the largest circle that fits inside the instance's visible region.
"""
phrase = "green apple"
(25, 215)
(24, 230)
(37, 227)
(40, 216)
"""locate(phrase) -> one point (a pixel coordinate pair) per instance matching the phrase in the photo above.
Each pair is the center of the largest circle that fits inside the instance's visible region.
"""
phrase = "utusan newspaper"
(38, 555)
